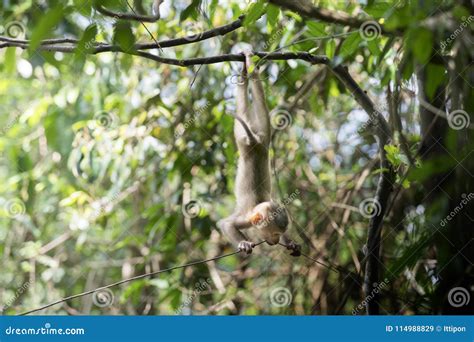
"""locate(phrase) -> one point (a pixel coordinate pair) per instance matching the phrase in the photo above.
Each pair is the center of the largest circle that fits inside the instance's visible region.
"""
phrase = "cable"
(134, 278)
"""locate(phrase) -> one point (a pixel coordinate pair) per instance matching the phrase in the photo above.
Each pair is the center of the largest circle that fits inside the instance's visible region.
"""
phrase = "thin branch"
(128, 16)
(306, 9)
(313, 59)
(384, 188)
(45, 45)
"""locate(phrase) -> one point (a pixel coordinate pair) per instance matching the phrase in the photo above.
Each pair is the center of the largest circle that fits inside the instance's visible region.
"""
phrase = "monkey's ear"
(256, 219)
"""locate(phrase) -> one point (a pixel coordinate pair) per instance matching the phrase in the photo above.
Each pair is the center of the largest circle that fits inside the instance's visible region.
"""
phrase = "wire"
(146, 28)
(141, 276)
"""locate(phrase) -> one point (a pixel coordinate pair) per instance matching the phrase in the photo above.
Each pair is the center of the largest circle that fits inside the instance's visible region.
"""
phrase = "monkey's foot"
(246, 246)
(294, 248)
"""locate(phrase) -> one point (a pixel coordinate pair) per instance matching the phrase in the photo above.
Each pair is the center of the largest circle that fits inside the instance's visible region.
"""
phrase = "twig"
(104, 47)
(127, 16)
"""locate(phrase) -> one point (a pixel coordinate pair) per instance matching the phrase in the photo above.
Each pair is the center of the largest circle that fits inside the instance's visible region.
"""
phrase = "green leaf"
(330, 48)
(191, 11)
(87, 41)
(46, 24)
(409, 256)
(255, 11)
(421, 43)
(373, 46)
(435, 75)
(123, 35)
(316, 29)
(350, 44)
(83, 6)
(378, 9)
(272, 15)
(10, 60)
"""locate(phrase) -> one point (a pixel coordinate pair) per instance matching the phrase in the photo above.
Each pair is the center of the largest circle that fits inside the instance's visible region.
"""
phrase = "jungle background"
(114, 164)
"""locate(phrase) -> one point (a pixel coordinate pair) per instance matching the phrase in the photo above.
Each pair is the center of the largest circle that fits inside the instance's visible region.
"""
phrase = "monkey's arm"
(231, 227)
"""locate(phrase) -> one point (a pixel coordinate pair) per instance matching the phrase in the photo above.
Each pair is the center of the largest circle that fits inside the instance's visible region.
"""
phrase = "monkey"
(155, 9)
(254, 206)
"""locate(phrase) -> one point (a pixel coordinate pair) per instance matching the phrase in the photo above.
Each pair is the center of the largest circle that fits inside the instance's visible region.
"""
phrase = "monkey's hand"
(246, 246)
(294, 248)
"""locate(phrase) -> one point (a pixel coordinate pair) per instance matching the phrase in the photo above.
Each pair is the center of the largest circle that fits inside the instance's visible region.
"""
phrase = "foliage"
(101, 152)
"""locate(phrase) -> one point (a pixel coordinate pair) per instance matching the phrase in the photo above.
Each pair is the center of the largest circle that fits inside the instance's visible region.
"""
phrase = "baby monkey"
(254, 206)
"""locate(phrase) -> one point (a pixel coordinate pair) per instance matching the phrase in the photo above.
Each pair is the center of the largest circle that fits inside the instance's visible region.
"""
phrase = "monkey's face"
(271, 220)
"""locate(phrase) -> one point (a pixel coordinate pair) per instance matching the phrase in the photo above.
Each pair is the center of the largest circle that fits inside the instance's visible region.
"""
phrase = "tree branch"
(306, 9)
(383, 136)
(128, 16)
(46, 44)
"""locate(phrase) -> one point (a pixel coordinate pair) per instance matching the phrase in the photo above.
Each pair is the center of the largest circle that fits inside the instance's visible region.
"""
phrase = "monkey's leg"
(242, 132)
(231, 226)
(260, 118)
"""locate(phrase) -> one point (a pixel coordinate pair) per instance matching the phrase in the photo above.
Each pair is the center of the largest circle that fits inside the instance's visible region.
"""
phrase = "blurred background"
(114, 165)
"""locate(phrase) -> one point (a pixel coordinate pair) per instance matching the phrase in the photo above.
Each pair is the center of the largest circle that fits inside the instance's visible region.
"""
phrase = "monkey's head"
(271, 220)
